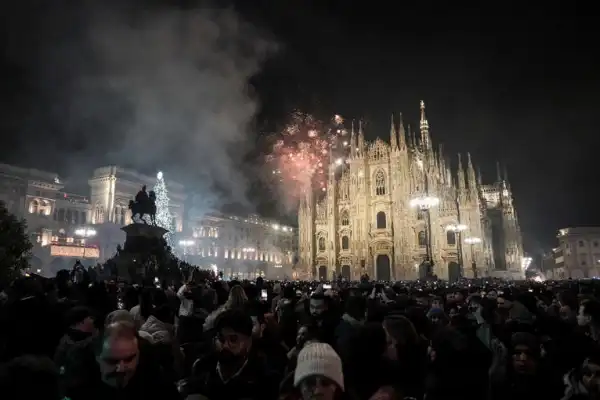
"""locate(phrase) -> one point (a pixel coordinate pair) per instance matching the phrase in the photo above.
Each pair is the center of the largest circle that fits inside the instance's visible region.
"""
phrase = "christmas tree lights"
(163, 216)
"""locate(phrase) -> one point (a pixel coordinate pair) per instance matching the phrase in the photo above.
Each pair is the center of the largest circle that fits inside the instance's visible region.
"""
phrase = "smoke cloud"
(162, 89)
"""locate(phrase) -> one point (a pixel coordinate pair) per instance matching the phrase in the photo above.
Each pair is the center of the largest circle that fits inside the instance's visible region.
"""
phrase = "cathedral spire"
(402, 134)
(479, 180)
(393, 135)
(411, 137)
(505, 174)
(352, 141)
(442, 162)
(471, 174)
(361, 138)
(424, 125)
(498, 174)
(461, 174)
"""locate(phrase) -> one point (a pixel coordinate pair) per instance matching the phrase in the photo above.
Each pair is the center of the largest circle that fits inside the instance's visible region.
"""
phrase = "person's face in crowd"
(503, 303)
(437, 304)
(118, 360)
(453, 312)
(436, 320)
(591, 379)
(317, 388)
(474, 307)
(458, 297)
(492, 294)
(450, 298)
(87, 325)
(317, 307)
(422, 301)
(523, 361)
(257, 328)
(582, 318)
(302, 336)
(232, 345)
(566, 314)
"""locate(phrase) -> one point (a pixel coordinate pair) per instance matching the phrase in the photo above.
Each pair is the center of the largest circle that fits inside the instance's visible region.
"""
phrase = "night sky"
(505, 84)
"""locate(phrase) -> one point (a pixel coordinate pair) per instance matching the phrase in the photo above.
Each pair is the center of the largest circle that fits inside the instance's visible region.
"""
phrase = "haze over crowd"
(146, 88)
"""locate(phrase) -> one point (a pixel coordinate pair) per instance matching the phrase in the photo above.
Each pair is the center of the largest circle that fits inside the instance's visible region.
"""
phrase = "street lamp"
(472, 241)
(458, 229)
(424, 204)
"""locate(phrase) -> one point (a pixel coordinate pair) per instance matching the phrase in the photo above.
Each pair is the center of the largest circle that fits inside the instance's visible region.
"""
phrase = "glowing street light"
(472, 240)
(525, 262)
(85, 232)
(457, 228)
(424, 202)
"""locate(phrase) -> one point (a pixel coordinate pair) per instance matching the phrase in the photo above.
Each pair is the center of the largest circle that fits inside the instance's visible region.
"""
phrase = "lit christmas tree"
(163, 216)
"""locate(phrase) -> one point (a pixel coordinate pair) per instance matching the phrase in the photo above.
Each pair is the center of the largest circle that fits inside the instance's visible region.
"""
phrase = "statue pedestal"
(144, 245)
(142, 232)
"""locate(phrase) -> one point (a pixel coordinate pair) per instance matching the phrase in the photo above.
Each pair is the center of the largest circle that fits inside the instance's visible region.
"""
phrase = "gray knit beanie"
(319, 359)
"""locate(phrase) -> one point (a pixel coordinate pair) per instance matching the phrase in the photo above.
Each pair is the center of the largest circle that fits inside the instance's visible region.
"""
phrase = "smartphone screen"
(326, 287)
(263, 294)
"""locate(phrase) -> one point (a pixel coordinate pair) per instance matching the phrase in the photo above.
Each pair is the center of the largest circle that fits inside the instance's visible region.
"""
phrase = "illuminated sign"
(74, 251)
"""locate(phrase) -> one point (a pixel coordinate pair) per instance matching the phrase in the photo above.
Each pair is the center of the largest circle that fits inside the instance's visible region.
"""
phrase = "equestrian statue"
(144, 204)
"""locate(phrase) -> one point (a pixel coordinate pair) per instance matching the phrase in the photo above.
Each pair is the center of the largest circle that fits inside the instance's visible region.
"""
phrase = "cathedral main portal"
(382, 268)
(322, 273)
(453, 271)
(346, 274)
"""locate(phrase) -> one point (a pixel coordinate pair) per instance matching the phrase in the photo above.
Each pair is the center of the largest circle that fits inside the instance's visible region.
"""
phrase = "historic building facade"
(64, 226)
(577, 255)
(396, 211)
(242, 247)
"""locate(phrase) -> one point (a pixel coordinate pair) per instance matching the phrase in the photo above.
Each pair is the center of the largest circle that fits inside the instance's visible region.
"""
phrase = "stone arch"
(345, 218)
(381, 220)
(451, 238)
(345, 242)
(322, 243)
(34, 206)
(380, 183)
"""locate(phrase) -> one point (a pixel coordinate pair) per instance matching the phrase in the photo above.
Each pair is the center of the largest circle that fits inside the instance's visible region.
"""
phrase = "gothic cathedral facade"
(367, 223)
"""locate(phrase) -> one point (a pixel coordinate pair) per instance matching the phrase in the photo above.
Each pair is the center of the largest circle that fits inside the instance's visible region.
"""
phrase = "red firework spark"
(301, 153)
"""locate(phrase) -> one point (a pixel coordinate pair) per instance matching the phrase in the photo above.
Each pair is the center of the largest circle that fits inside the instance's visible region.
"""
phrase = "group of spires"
(400, 139)
(403, 139)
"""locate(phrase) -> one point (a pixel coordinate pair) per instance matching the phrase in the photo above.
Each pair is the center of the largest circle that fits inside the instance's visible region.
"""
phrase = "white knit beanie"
(319, 359)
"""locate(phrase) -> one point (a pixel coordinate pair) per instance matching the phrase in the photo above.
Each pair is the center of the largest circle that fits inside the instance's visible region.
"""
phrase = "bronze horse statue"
(144, 205)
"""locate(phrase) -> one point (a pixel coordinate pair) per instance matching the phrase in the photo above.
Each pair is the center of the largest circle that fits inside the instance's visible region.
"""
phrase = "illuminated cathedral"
(398, 212)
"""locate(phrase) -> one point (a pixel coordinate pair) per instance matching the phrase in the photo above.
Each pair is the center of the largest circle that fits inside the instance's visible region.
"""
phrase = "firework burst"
(302, 152)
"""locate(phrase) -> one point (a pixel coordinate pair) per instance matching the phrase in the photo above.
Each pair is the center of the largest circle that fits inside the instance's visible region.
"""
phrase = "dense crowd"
(84, 339)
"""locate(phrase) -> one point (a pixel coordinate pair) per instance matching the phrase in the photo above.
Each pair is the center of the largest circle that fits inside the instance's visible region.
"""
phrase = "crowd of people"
(83, 339)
